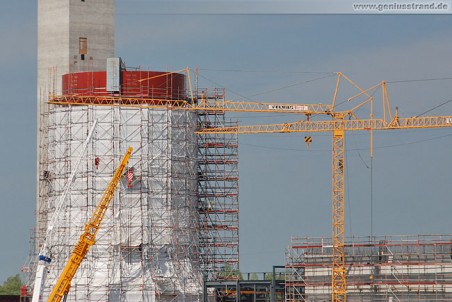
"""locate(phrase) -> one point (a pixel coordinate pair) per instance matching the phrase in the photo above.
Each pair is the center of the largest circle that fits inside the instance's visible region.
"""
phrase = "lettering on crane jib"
(288, 107)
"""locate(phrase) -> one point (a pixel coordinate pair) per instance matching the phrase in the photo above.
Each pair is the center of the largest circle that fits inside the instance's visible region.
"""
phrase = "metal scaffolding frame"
(250, 287)
(294, 277)
(174, 219)
(147, 249)
(387, 268)
(218, 194)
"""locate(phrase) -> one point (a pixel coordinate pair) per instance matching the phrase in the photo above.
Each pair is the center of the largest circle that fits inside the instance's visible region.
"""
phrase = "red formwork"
(149, 84)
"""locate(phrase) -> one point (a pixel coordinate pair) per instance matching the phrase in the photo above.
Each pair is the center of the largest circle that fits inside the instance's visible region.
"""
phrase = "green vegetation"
(269, 276)
(230, 273)
(11, 286)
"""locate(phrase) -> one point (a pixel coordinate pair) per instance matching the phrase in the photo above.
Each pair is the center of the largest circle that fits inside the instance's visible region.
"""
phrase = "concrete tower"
(147, 249)
(73, 35)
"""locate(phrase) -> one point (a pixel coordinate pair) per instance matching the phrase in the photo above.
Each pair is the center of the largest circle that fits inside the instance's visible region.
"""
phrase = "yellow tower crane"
(341, 121)
(87, 239)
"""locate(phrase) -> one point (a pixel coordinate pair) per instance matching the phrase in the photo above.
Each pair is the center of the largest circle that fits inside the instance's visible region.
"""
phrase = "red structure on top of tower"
(147, 84)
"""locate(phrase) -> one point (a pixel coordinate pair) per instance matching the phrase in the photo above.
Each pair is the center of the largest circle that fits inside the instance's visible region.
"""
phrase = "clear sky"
(285, 187)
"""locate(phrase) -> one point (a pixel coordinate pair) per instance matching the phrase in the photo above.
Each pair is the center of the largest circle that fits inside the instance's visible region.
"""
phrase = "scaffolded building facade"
(148, 243)
(390, 268)
(218, 177)
(158, 240)
(174, 219)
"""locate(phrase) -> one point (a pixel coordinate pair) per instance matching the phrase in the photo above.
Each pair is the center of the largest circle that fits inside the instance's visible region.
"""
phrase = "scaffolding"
(30, 263)
(174, 219)
(218, 194)
(250, 287)
(147, 249)
(389, 268)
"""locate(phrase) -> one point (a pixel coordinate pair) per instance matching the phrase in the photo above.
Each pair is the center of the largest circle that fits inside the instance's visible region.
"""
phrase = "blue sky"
(284, 185)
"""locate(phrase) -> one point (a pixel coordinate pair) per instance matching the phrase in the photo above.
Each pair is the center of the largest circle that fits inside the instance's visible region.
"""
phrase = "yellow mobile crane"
(87, 239)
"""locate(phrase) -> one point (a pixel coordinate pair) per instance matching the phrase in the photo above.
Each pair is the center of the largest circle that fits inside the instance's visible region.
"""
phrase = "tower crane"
(87, 239)
(340, 122)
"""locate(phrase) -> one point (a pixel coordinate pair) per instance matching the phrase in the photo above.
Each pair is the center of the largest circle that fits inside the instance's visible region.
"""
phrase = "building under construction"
(172, 231)
(390, 268)
(174, 218)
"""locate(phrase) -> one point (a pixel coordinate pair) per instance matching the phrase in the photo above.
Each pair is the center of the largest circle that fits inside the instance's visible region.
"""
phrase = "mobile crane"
(87, 239)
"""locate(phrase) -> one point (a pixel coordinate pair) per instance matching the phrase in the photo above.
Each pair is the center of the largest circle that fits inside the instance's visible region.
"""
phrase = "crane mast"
(87, 239)
(338, 277)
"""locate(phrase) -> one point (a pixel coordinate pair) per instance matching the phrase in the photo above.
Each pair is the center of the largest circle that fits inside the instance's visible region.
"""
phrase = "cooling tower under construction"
(148, 241)
(174, 218)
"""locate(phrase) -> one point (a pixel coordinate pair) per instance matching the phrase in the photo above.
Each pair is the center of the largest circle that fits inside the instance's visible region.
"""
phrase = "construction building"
(174, 218)
(389, 268)
(172, 232)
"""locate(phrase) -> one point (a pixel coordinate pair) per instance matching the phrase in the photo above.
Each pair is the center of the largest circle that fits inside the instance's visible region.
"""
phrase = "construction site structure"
(249, 287)
(157, 216)
(218, 194)
(175, 217)
(387, 268)
(342, 121)
(136, 246)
